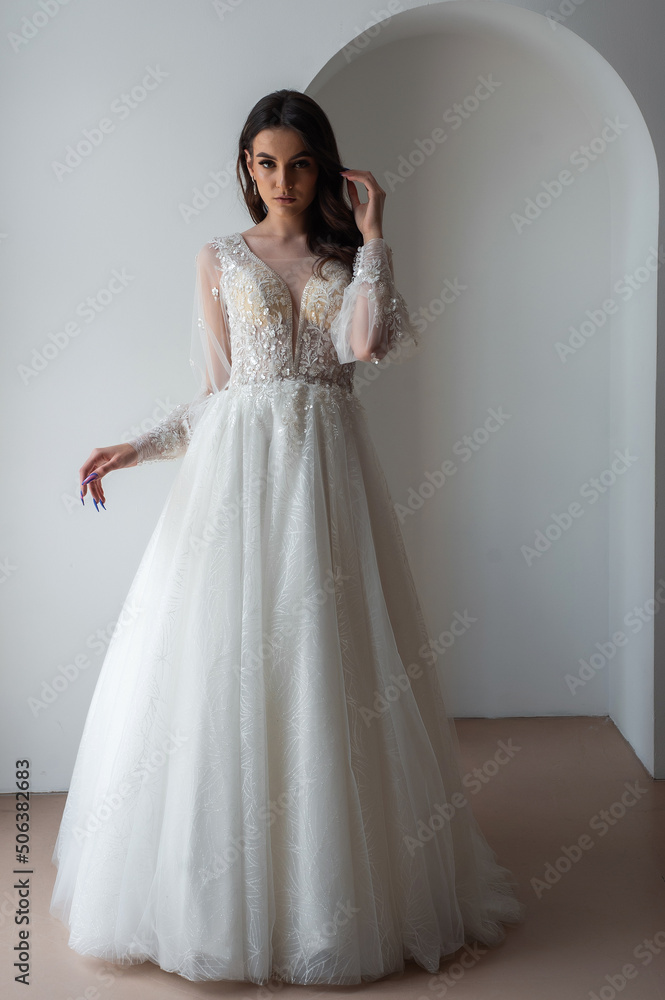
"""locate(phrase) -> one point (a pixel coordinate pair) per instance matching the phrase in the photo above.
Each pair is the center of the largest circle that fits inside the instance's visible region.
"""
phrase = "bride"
(268, 783)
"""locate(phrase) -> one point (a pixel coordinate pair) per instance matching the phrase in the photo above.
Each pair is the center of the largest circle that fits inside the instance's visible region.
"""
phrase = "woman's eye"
(269, 163)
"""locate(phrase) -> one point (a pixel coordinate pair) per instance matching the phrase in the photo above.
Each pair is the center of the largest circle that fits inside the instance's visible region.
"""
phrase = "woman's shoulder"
(215, 248)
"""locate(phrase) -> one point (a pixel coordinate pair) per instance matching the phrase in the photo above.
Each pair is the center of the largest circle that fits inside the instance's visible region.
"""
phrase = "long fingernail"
(95, 503)
(93, 475)
(102, 503)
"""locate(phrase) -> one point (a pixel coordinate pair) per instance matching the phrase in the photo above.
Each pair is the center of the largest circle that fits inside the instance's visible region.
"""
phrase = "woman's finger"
(365, 177)
(93, 485)
(92, 473)
(353, 193)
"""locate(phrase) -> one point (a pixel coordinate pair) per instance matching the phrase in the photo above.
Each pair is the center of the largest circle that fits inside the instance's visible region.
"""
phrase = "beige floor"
(579, 933)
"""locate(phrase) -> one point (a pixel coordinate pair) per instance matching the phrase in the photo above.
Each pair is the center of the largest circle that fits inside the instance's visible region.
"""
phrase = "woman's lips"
(285, 199)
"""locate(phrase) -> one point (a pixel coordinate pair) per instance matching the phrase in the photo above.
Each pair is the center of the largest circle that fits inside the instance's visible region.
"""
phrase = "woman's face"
(281, 166)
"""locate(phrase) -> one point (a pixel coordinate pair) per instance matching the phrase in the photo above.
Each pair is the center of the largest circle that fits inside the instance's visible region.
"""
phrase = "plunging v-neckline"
(293, 347)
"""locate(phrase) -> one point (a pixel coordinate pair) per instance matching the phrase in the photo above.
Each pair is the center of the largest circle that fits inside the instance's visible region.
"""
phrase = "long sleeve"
(210, 359)
(373, 317)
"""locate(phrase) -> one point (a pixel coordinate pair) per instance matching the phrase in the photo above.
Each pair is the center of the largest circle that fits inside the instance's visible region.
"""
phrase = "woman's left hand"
(368, 215)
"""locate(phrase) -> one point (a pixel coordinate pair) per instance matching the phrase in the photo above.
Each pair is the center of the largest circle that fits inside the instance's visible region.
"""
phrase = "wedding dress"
(268, 784)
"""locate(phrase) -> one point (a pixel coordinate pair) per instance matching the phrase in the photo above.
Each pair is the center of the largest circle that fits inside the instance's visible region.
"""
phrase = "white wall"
(555, 630)
(67, 568)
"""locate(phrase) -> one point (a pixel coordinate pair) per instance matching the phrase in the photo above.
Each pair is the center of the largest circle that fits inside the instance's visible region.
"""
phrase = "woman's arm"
(210, 358)
(373, 317)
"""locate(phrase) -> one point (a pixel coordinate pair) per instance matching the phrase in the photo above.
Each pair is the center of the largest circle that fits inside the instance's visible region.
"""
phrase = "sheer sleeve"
(373, 317)
(210, 360)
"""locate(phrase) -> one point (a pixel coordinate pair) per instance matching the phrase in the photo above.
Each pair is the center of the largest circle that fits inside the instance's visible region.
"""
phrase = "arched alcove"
(522, 210)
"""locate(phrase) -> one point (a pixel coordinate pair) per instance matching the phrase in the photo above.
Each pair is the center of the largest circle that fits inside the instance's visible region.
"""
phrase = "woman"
(268, 784)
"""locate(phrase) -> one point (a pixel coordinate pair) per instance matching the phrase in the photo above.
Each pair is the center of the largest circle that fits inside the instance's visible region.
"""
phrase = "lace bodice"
(259, 321)
(293, 263)
(258, 299)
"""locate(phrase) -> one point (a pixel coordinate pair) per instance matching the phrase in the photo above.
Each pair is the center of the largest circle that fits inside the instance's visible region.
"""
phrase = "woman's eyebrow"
(269, 156)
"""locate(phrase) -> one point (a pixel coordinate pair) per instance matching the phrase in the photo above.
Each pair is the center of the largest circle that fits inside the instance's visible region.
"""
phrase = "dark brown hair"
(333, 233)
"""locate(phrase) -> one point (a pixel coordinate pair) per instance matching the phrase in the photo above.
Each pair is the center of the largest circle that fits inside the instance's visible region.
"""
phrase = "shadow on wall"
(519, 444)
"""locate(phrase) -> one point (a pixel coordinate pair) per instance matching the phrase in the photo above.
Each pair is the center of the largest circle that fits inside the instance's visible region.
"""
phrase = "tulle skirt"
(268, 785)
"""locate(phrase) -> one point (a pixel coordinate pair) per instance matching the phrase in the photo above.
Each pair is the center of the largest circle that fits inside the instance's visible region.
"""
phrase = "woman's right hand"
(103, 461)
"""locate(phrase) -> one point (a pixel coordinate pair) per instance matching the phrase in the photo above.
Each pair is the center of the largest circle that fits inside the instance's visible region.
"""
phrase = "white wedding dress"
(268, 785)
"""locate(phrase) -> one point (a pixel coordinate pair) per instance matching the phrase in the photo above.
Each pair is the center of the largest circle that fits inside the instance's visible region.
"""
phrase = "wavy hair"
(332, 233)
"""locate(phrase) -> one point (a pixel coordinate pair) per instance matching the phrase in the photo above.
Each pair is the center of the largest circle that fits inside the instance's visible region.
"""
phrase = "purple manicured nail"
(93, 475)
